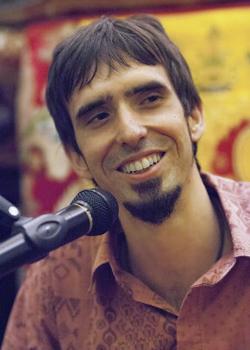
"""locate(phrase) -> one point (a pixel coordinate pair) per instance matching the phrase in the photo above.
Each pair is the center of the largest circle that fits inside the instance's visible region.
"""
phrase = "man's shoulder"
(66, 264)
(235, 198)
(230, 187)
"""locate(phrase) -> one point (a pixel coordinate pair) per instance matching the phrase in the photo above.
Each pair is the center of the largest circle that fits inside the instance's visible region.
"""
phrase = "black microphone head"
(103, 207)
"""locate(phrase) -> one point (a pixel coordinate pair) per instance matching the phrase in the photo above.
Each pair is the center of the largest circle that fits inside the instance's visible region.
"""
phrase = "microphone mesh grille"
(103, 208)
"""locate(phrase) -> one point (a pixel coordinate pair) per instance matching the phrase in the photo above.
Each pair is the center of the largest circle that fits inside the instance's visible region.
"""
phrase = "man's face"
(132, 132)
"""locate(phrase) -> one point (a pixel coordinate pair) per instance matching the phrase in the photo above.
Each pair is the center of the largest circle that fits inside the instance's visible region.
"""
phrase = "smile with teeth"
(141, 165)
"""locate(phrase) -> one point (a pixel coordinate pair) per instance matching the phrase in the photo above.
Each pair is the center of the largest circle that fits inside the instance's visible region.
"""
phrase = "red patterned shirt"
(80, 298)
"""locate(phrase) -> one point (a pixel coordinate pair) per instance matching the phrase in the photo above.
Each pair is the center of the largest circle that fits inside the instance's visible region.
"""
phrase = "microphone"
(92, 212)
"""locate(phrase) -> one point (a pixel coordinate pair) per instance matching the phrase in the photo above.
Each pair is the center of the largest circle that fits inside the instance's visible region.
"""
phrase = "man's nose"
(130, 128)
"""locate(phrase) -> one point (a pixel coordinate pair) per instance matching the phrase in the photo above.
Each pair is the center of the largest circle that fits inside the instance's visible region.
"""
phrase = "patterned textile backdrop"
(217, 47)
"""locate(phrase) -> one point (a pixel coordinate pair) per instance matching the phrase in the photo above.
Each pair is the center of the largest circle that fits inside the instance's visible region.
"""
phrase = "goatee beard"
(155, 206)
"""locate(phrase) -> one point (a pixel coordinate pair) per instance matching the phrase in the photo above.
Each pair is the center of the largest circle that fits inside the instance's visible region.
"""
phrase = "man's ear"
(196, 123)
(78, 163)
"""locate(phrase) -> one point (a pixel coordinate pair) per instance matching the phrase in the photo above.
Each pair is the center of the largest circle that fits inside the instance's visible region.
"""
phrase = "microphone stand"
(31, 239)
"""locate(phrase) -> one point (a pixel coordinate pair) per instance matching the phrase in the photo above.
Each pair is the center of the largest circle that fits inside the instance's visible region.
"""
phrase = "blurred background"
(34, 172)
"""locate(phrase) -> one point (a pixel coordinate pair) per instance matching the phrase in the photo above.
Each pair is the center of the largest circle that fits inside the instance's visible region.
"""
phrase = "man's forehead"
(108, 82)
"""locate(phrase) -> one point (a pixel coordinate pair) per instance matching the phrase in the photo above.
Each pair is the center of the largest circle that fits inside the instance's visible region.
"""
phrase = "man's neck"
(171, 256)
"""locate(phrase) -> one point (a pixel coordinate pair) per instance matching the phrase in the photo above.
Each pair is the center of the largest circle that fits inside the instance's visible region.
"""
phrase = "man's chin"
(148, 189)
(153, 207)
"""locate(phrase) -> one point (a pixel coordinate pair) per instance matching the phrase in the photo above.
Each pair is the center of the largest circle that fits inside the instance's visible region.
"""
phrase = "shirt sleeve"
(32, 324)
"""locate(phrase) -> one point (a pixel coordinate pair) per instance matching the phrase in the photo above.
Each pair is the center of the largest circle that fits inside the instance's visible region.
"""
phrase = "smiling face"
(132, 132)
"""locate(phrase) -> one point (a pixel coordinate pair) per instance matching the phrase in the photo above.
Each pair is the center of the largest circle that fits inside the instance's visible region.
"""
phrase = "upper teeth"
(141, 164)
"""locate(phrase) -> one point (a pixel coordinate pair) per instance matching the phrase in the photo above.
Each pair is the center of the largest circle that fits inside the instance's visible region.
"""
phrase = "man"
(173, 272)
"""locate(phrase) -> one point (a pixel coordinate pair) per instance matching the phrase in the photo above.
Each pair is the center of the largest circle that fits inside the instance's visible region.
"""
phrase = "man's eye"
(99, 117)
(151, 99)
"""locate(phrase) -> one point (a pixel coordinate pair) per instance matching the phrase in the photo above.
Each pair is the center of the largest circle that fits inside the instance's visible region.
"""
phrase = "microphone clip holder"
(31, 240)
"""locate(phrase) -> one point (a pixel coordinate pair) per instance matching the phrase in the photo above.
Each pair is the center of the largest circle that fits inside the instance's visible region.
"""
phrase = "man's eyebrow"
(147, 87)
(91, 106)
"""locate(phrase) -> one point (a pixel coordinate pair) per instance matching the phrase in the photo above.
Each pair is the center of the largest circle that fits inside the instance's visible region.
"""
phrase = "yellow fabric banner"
(217, 47)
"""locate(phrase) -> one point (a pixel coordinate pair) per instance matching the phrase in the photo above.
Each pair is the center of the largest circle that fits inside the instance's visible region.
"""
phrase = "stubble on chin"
(148, 190)
(154, 205)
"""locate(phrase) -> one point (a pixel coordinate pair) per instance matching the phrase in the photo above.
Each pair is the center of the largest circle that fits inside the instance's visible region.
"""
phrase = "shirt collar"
(234, 197)
(111, 252)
